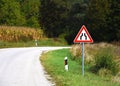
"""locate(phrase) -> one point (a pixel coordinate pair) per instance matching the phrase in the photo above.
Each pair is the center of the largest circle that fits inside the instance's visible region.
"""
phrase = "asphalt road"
(21, 67)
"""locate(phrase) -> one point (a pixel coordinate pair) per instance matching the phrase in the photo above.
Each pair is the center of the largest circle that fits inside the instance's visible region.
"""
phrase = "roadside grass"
(42, 42)
(13, 36)
(53, 62)
(53, 42)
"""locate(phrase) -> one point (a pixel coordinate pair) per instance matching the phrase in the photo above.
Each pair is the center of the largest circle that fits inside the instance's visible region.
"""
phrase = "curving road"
(21, 66)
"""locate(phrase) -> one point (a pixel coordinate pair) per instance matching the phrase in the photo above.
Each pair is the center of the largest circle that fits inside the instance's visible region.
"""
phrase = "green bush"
(104, 59)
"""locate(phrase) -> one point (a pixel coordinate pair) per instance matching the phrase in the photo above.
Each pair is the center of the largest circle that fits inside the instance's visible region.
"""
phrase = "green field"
(53, 62)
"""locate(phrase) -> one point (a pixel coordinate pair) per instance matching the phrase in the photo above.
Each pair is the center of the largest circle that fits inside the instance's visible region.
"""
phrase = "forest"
(64, 18)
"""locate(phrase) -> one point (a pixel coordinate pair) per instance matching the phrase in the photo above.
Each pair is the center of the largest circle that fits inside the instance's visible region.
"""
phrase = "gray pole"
(83, 58)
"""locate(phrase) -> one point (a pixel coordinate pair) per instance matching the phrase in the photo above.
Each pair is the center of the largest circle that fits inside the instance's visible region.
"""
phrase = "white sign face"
(83, 36)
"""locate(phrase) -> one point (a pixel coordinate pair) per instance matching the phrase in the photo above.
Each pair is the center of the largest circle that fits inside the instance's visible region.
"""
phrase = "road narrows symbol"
(82, 36)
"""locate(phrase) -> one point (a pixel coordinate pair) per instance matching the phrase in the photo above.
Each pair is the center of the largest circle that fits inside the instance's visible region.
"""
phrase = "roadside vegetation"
(17, 34)
(101, 65)
(32, 43)
(11, 36)
(65, 17)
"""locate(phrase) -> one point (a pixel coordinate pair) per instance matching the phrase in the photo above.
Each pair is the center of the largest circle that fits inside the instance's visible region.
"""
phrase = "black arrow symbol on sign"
(84, 36)
(81, 36)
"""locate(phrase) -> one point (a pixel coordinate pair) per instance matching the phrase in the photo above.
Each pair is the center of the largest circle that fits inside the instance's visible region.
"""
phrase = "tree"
(103, 20)
(52, 17)
(30, 9)
(96, 19)
(61, 17)
(75, 20)
(10, 13)
(114, 20)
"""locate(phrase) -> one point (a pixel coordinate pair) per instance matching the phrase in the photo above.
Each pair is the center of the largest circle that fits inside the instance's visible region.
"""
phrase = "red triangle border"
(79, 41)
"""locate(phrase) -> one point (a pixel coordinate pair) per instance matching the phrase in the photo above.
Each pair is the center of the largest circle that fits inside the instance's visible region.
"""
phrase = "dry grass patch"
(15, 34)
(92, 49)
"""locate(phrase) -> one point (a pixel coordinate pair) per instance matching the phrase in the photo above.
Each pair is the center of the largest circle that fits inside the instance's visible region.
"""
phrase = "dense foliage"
(64, 18)
(19, 12)
(103, 19)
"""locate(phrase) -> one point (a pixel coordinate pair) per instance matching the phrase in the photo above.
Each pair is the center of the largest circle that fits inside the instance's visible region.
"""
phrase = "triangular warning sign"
(83, 36)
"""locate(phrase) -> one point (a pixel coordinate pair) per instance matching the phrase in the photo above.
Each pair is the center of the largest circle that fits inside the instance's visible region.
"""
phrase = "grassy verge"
(54, 64)
(11, 36)
(42, 42)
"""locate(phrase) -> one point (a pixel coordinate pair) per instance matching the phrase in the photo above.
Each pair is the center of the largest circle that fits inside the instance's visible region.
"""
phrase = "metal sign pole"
(83, 58)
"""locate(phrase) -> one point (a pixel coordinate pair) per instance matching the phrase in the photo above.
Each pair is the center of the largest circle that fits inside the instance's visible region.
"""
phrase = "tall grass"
(54, 64)
(104, 59)
(76, 53)
(15, 34)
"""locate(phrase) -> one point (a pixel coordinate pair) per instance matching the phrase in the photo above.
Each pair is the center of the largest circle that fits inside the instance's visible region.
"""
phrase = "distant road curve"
(21, 66)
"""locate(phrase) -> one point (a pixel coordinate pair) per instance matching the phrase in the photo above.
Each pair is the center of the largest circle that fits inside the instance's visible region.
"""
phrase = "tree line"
(64, 18)
(20, 12)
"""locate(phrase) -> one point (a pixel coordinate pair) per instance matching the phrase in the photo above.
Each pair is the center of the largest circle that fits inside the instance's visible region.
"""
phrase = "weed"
(104, 59)
(116, 78)
(104, 72)
(54, 65)
(76, 53)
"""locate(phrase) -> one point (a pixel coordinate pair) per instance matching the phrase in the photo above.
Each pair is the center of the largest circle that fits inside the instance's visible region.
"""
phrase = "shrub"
(104, 59)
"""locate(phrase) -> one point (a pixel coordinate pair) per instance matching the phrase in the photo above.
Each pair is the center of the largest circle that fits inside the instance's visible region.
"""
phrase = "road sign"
(83, 36)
